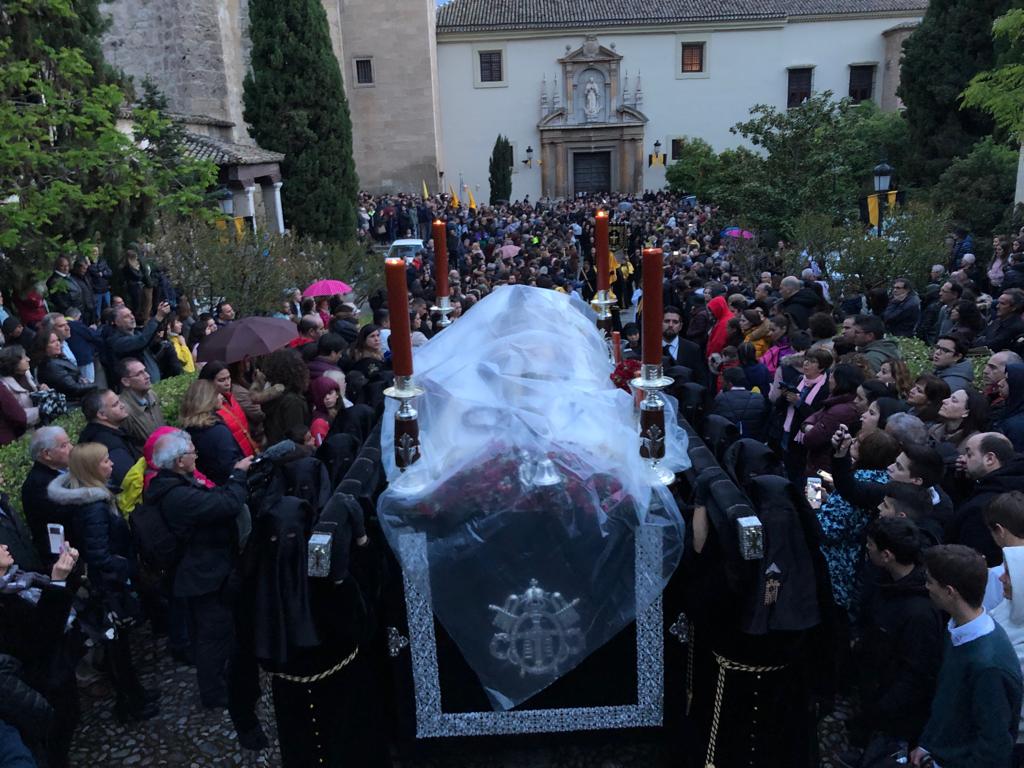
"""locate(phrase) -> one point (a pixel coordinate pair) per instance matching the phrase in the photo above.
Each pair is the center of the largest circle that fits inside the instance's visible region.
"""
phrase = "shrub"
(14, 459)
(918, 357)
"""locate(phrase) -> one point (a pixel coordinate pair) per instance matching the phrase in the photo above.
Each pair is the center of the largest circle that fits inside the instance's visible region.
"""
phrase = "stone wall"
(396, 121)
(892, 66)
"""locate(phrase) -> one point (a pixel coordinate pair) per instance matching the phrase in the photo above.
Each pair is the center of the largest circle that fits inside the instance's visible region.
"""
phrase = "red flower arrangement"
(624, 373)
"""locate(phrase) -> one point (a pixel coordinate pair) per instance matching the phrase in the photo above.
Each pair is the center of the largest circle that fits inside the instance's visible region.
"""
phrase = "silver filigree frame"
(431, 722)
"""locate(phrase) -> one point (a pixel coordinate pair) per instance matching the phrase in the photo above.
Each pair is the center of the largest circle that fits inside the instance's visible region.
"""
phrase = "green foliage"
(214, 262)
(15, 461)
(500, 171)
(295, 103)
(815, 159)
(696, 167)
(951, 46)
(979, 188)
(67, 174)
(857, 261)
(999, 92)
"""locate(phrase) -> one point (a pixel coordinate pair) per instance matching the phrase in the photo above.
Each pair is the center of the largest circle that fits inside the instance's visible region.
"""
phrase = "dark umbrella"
(249, 337)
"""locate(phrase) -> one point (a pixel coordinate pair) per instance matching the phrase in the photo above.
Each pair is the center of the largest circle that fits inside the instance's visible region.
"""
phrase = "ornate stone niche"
(592, 133)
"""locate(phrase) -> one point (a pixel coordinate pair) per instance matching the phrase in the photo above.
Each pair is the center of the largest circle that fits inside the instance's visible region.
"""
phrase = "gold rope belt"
(724, 665)
(319, 675)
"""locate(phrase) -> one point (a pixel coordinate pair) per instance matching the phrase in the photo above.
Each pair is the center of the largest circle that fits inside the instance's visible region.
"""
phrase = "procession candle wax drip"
(601, 247)
(440, 257)
(398, 301)
(654, 271)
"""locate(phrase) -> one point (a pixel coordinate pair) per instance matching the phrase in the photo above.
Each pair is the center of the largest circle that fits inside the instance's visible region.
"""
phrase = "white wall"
(745, 67)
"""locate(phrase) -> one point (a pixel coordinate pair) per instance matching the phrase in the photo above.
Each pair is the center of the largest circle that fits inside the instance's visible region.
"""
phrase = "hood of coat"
(911, 584)
(962, 370)
(1015, 400)
(61, 493)
(808, 297)
(888, 346)
(720, 308)
(1013, 557)
(162, 483)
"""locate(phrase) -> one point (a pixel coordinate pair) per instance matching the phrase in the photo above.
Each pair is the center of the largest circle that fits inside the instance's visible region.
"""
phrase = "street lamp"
(883, 179)
(657, 147)
(883, 176)
(528, 162)
(226, 201)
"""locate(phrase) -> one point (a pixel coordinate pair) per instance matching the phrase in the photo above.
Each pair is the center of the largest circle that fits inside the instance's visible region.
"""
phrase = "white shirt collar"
(972, 630)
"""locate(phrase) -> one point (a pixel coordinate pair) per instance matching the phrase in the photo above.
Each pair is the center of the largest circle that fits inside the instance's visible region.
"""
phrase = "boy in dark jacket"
(901, 646)
(747, 410)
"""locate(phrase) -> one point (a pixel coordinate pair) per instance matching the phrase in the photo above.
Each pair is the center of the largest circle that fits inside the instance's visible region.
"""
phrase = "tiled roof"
(496, 15)
(227, 153)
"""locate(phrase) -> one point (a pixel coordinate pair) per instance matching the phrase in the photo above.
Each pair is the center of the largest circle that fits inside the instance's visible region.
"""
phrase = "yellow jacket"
(188, 364)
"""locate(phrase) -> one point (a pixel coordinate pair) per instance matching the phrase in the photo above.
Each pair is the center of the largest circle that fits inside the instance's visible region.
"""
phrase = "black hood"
(1004, 479)
(792, 561)
(282, 615)
(911, 584)
(1015, 400)
(748, 458)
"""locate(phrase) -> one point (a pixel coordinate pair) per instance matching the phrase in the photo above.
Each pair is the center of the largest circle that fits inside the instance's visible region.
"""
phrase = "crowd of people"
(200, 527)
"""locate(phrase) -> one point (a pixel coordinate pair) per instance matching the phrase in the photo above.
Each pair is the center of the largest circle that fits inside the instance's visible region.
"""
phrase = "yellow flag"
(472, 202)
(426, 194)
(455, 198)
(873, 210)
(892, 198)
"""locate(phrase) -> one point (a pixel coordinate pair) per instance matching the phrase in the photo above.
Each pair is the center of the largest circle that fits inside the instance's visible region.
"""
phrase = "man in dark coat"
(680, 351)
(903, 310)
(105, 413)
(901, 639)
(989, 460)
(747, 410)
(798, 301)
(125, 341)
(1003, 332)
(61, 290)
(205, 520)
(49, 449)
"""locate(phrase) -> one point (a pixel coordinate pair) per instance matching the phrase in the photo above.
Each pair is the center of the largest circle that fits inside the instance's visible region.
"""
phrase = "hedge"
(15, 462)
(918, 356)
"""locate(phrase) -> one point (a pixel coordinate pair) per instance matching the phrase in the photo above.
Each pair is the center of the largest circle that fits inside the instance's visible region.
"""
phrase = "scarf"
(808, 389)
(25, 584)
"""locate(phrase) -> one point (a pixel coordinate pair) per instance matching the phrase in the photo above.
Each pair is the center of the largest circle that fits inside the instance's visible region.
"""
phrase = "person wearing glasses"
(904, 309)
(144, 414)
(949, 357)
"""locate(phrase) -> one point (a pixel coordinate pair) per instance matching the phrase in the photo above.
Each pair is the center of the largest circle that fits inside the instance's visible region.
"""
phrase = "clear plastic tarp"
(530, 490)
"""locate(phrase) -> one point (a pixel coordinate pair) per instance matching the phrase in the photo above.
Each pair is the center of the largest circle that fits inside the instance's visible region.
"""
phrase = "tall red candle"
(601, 246)
(398, 309)
(654, 274)
(617, 347)
(440, 257)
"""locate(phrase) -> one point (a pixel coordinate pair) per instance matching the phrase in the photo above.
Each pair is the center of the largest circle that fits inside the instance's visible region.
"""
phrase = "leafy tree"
(214, 262)
(500, 170)
(694, 170)
(999, 92)
(978, 189)
(952, 45)
(295, 103)
(67, 174)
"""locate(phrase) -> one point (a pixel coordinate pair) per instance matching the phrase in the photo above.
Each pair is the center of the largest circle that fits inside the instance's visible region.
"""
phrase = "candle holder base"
(661, 473)
(604, 319)
(444, 307)
(407, 426)
(652, 422)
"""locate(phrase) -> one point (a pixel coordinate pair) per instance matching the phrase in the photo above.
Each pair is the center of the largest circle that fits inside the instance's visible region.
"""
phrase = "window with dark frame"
(490, 67)
(677, 148)
(862, 82)
(799, 86)
(693, 58)
(364, 71)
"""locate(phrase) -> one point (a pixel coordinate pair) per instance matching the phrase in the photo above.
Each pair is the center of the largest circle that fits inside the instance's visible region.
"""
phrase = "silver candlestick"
(407, 425)
(604, 319)
(652, 420)
(444, 307)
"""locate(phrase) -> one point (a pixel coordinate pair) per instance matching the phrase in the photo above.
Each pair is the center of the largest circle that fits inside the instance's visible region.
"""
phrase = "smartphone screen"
(56, 533)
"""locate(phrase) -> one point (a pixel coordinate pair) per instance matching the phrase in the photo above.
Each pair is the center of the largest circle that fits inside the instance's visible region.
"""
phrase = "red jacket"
(234, 417)
(719, 308)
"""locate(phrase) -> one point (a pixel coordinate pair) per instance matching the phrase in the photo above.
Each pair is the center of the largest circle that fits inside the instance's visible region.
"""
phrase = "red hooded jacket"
(719, 308)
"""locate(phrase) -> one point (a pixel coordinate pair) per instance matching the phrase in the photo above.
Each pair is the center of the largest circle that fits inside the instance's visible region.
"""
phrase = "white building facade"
(594, 101)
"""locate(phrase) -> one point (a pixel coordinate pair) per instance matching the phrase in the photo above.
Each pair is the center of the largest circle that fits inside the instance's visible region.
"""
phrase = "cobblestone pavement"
(186, 735)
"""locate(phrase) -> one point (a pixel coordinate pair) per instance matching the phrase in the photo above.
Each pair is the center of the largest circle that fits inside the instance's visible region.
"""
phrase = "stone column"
(272, 204)
(251, 206)
(638, 168)
(561, 172)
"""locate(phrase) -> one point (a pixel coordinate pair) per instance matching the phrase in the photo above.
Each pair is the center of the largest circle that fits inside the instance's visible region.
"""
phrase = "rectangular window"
(677, 148)
(799, 86)
(693, 58)
(862, 82)
(490, 67)
(364, 71)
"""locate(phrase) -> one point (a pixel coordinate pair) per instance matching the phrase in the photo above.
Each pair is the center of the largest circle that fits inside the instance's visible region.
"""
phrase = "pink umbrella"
(327, 288)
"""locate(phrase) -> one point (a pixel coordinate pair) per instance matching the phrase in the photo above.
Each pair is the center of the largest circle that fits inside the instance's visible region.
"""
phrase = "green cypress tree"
(295, 103)
(500, 169)
(952, 45)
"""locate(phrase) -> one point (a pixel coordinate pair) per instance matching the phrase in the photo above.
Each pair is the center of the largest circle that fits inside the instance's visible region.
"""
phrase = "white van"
(405, 249)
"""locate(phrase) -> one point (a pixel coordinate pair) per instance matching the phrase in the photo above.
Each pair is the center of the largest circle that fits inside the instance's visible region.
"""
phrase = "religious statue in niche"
(591, 100)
